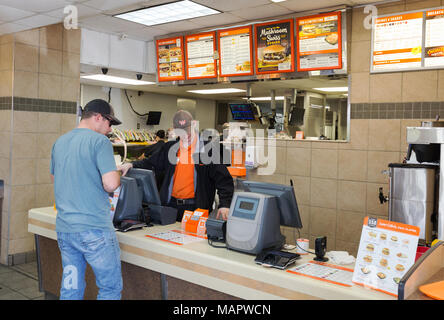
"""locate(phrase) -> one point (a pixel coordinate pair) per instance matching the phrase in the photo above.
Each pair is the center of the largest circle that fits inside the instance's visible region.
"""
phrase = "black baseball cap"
(104, 108)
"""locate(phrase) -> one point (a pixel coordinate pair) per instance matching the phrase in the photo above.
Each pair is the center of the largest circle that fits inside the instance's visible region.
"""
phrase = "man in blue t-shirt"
(83, 170)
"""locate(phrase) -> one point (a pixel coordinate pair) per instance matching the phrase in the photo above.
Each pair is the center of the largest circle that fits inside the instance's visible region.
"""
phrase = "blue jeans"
(100, 249)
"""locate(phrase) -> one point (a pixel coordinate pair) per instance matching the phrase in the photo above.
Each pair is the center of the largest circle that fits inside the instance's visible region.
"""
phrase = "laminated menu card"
(387, 250)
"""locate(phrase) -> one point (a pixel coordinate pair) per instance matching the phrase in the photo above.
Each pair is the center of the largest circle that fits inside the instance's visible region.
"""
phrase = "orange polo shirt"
(183, 183)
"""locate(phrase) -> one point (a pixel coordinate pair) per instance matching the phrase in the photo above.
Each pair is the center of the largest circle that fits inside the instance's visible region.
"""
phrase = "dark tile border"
(38, 105)
(404, 110)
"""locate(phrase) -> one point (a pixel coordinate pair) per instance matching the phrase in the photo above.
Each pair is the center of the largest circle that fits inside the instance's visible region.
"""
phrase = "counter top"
(227, 271)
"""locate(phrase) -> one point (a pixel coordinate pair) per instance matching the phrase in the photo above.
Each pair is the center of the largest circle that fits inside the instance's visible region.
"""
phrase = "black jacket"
(209, 177)
(154, 148)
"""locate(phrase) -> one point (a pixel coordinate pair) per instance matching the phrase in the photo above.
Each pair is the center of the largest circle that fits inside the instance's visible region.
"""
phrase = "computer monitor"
(288, 207)
(129, 203)
(153, 117)
(242, 111)
(146, 181)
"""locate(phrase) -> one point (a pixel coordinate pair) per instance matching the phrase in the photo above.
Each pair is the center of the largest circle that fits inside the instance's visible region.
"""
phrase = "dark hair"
(161, 134)
(87, 114)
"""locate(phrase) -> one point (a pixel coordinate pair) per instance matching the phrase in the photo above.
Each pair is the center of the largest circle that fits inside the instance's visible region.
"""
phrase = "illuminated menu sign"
(200, 55)
(319, 42)
(397, 42)
(236, 52)
(434, 39)
(170, 59)
(274, 44)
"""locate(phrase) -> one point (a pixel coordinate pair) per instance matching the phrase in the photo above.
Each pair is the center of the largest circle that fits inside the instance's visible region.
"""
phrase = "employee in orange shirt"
(190, 179)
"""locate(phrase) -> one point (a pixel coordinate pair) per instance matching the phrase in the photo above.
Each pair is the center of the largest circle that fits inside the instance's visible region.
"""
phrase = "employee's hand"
(124, 168)
(223, 212)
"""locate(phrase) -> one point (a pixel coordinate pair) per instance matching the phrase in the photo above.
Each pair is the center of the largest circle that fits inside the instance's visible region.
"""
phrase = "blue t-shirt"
(78, 161)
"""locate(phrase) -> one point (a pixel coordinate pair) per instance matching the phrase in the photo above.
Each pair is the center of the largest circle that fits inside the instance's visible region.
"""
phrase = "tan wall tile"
(420, 86)
(384, 134)
(71, 65)
(26, 57)
(26, 84)
(49, 122)
(304, 213)
(5, 138)
(21, 245)
(52, 36)
(322, 223)
(24, 145)
(50, 86)
(299, 162)
(23, 172)
(281, 160)
(324, 163)
(360, 87)
(42, 171)
(298, 144)
(359, 31)
(351, 196)
(71, 40)
(6, 53)
(360, 56)
(349, 226)
(5, 120)
(30, 37)
(323, 193)
(441, 85)
(25, 121)
(378, 161)
(301, 186)
(51, 61)
(44, 195)
(70, 89)
(421, 4)
(67, 122)
(332, 145)
(45, 142)
(374, 206)
(4, 169)
(22, 198)
(398, 6)
(352, 165)
(6, 83)
(385, 87)
(7, 38)
(19, 225)
(350, 247)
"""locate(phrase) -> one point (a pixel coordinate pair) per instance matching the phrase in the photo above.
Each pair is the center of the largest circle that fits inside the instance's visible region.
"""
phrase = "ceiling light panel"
(217, 91)
(114, 79)
(332, 89)
(170, 12)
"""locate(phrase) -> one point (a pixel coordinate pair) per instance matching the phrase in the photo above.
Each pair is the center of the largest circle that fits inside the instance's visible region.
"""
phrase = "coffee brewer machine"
(416, 195)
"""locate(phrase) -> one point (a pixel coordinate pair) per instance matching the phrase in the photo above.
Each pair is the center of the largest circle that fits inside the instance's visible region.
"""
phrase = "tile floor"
(20, 282)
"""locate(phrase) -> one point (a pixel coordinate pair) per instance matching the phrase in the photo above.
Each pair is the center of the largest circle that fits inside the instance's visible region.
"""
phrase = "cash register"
(256, 214)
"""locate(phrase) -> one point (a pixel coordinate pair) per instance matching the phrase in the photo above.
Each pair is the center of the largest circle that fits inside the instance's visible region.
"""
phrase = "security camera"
(104, 70)
(139, 76)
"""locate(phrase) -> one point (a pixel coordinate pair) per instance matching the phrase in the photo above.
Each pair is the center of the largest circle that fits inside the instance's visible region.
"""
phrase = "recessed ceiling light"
(278, 0)
(332, 89)
(265, 98)
(120, 80)
(216, 91)
(164, 13)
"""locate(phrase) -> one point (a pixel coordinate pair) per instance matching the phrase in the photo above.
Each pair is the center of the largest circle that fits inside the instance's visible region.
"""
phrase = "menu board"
(200, 55)
(319, 42)
(236, 52)
(170, 59)
(434, 39)
(274, 45)
(397, 42)
(387, 250)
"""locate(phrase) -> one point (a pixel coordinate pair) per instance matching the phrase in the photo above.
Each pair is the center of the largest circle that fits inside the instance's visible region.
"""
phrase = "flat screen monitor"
(146, 181)
(153, 117)
(288, 207)
(129, 203)
(297, 117)
(242, 111)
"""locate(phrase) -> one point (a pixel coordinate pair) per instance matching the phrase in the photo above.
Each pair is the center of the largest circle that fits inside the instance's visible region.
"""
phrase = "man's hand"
(223, 212)
(124, 168)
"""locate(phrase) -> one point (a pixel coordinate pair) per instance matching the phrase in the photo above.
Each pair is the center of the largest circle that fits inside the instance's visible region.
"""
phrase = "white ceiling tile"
(105, 5)
(145, 34)
(10, 14)
(38, 20)
(36, 5)
(265, 11)
(83, 11)
(178, 26)
(108, 24)
(298, 6)
(11, 27)
(216, 20)
(230, 5)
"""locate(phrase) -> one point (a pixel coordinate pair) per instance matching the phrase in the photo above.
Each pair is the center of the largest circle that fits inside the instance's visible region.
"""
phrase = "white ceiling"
(19, 15)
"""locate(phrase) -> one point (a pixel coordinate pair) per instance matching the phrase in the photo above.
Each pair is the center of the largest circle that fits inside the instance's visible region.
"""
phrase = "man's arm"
(111, 181)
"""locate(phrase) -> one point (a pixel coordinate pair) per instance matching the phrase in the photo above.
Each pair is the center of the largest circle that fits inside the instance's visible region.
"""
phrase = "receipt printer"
(216, 229)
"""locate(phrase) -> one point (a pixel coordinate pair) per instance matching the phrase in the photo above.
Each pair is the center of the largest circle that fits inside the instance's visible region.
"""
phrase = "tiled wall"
(38, 99)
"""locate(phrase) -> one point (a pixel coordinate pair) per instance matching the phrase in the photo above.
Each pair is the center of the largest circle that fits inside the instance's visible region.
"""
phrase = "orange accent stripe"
(374, 288)
(401, 17)
(332, 266)
(317, 278)
(149, 236)
(41, 224)
(376, 53)
(396, 61)
(306, 53)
